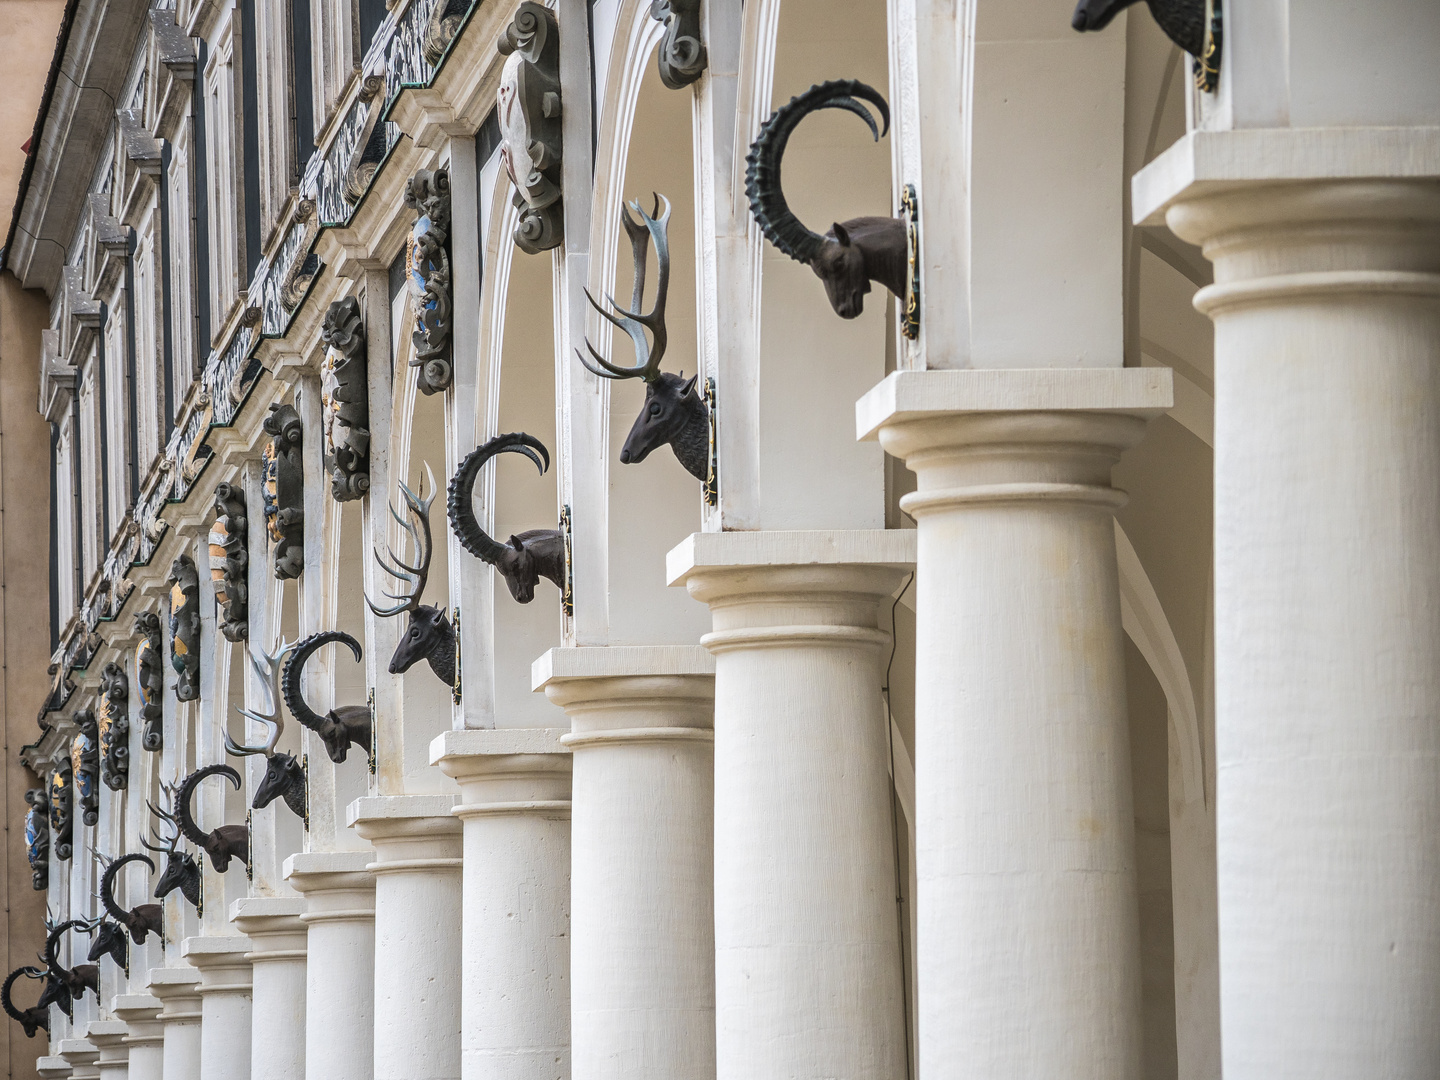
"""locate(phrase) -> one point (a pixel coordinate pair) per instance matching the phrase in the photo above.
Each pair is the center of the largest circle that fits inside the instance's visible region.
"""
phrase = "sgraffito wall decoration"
(528, 108)
(185, 627)
(427, 265)
(285, 490)
(345, 401)
(114, 727)
(230, 561)
(85, 766)
(149, 680)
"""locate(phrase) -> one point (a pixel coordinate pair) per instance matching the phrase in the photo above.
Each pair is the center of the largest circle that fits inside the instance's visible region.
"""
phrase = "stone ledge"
(398, 808)
(831, 547)
(488, 742)
(619, 661)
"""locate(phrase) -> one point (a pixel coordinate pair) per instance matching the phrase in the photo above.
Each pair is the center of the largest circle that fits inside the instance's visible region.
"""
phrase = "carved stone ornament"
(85, 766)
(681, 55)
(528, 109)
(427, 265)
(149, 680)
(285, 490)
(114, 727)
(229, 561)
(185, 627)
(61, 825)
(344, 403)
(440, 28)
(37, 837)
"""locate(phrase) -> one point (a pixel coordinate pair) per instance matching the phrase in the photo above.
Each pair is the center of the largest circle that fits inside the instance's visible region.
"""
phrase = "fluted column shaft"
(1326, 306)
(1028, 946)
(145, 1035)
(515, 806)
(340, 970)
(808, 976)
(642, 955)
(178, 989)
(277, 995)
(417, 934)
(225, 1010)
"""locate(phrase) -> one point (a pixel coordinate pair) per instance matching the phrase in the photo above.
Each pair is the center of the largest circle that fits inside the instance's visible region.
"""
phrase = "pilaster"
(82, 1057)
(178, 990)
(145, 1036)
(108, 1037)
(224, 1004)
(277, 960)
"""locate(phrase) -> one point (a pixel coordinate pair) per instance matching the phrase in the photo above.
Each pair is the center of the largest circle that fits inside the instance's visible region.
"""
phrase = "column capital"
(109, 1037)
(178, 989)
(409, 832)
(506, 770)
(141, 1013)
(221, 961)
(274, 926)
(337, 885)
(632, 694)
(82, 1056)
(52, 1067)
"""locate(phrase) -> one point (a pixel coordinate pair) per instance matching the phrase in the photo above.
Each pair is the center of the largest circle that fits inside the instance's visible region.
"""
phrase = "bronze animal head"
(344, 725)
(181, 870)
(284, 776)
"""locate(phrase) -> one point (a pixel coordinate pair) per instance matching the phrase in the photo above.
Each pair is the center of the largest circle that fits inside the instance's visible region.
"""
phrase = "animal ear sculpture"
(181, 870)
(150, 680)
(343, 726)
(114, 727)
(61, 823)
(143, 919)
(37, 1017)
(185, 627)
(529, 555)
(284, 776)
(429, 635)
(37, 837)
(673, 412)
(855, 252)
(222, 843)
(85, 766)
(229, 560)
(285, 490)
(1195, 25)
(345, 401)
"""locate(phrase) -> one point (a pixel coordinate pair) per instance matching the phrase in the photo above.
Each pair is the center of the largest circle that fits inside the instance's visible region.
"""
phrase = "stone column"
(108, 1036)
(1326, 306)
(1028, 951)
(642, 914)
(224, 1004)
(146, 1038)
(808, 976)
(515, 805)
(178, 989)
(339, 919)
(417, 933)
(277, 994)
(82, 1057)
(52, 1067)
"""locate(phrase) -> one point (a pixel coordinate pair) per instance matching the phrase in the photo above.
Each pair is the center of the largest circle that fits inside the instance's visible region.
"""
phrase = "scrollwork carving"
(114, 727)
(528, 107)
(149, 680)
(285, 490)
(185, 627)
(230, 561)
(85, 766)
(61, 823)
(345, 402)
(441, 27)
(427, 262)
(681, 55)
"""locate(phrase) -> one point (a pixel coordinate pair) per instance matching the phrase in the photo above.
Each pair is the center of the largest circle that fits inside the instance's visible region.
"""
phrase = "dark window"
(201, 203)
(250, 138)
(130, 405)
(54, 538)
(166, 269)
(372, 14)
(302, 120)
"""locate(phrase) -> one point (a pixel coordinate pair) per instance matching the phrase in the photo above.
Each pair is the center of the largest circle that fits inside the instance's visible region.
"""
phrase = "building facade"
(1015, 653)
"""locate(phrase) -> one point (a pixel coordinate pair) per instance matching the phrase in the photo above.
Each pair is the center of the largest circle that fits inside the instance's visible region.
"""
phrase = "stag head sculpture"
(37, 1016)
(109, 940)
(529, 555)
(181, 870)
(223, 843)
(284, 776)
(344, 725)
(673, 412)
(853, 253)
(429, 635)
(143, 919)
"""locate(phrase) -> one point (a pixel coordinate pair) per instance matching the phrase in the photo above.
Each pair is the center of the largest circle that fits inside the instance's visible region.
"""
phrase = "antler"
(169, 843)
(272, 719)
(633, 322)
(418, 509)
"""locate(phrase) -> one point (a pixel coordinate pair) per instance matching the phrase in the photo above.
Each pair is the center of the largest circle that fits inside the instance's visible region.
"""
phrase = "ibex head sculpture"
(109, 939)
(429, 636)
(529, 555)
(853, 253)
(344, 725)
(673, 412)
(37, 1016)
(284, 776)
(77, 979)
(222, 843)
(143, 919)
(181, 870)
(1182, 20)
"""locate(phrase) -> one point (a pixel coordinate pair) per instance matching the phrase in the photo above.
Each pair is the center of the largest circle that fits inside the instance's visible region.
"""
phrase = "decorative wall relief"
(61, 783)
(85, 766)
(344, 402)
(527, 556)
(441, 26)
(149, 680)
(114, 727)
(1195, 25)
(185, 627)
(222, 843)
(853, 253)
(285, 490)
(673, 412)
(37, 837)
(230, 561)
(429, 635)
(284, 776)
(344, 725)
(427, 263)
(528, 108)
(910, 214)
(681, 55)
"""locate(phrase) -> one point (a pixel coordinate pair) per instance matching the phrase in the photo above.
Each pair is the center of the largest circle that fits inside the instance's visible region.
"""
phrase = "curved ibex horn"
(458, 502)
(189, 828)
(295, 664)
(107, 883)
(762, 176)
